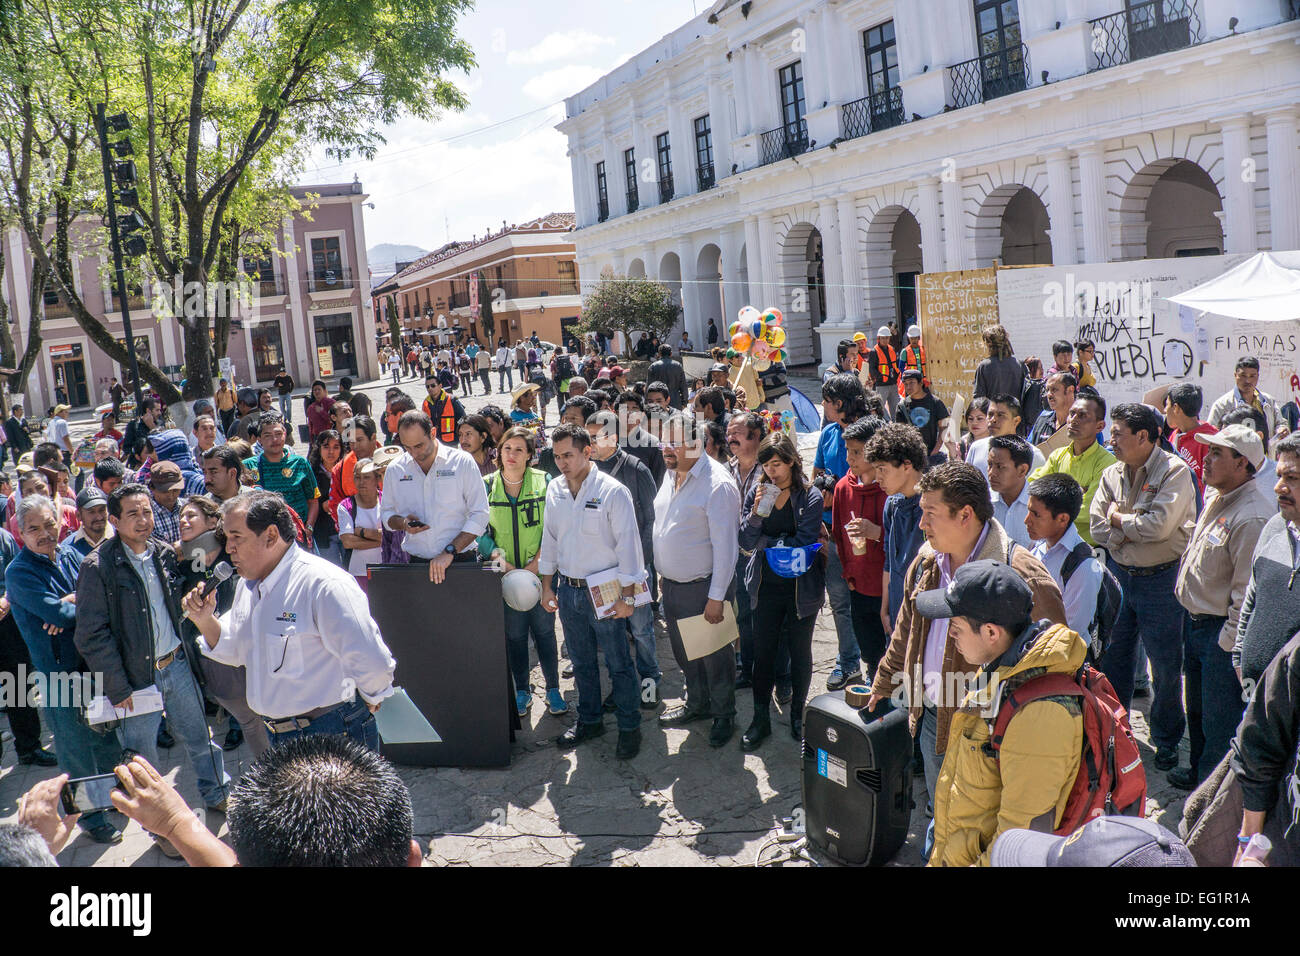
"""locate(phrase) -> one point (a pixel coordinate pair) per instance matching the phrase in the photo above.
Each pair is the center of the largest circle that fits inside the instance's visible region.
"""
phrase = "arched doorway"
(893, 257)
(636, 269)
(670, 274)
(804, 277)
(1012, 228)
(708, 295)
(1170, 208)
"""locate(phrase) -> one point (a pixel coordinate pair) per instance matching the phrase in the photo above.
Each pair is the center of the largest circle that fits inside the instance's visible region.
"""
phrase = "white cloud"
(556, 46)
(554, 85)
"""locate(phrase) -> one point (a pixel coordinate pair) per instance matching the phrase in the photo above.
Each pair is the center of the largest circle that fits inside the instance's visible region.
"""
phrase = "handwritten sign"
(953, 307)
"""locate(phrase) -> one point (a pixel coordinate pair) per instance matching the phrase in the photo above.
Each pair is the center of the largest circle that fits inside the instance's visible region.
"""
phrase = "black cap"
(983, 591)
(90, 496)
(1105, 841)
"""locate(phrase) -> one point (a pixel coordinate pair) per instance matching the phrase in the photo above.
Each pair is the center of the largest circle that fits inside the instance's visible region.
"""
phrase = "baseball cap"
(247, 395)
(1241, 438)
(1105, 841)
(913, 373)
(913, 331)
(90, 496)
(884, 332)
(717, 367)
(984, 591)
(165, 474)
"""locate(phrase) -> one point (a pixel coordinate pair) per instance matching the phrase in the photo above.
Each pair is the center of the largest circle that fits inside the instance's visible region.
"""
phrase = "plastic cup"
(767, 495)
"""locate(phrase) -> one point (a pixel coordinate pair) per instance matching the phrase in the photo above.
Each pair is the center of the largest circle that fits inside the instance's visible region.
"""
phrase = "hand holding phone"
(89, 794)
(414, 524)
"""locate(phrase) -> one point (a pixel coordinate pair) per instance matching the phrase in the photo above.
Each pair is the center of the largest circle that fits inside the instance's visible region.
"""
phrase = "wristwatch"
(450, 549)
(629, 601)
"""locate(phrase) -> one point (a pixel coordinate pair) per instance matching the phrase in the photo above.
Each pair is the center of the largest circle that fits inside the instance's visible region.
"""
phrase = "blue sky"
(501, 158)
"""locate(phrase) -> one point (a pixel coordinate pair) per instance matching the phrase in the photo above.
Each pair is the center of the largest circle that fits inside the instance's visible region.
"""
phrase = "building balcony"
(633, 200)
(666, 188)
(602, 210)
(871, 114)
(704, 174)
(329, 280)
(58, 309)
(988, 77)
(784, 142)
(1146, 29)
(272, 285)
(458, 300)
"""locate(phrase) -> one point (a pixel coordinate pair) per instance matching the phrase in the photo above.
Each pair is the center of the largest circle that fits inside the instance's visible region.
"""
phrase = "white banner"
(1143, 340)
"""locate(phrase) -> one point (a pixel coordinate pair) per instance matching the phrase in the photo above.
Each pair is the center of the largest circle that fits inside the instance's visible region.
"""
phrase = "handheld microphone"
(221, 572)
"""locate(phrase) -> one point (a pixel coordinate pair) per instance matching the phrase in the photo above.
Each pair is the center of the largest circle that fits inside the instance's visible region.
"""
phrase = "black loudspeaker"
(857, 780)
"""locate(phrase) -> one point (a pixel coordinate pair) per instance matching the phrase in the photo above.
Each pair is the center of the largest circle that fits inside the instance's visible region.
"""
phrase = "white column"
(931, 225)
(690, 297)
(296, 320)
(19, 265)
(613, 161)
(833, 240)
(744, 97)
(576, 168)
(643, 140)
(720, 128)
(364, 329)
(850, 260)
(772, 280)
(1093, 204)
(1060, 196)
(762, 96)
(734, 294)
(954, 226)
(1283, 170)
(651, 261)
(753, 262)
(816, 64)
(1238, 186)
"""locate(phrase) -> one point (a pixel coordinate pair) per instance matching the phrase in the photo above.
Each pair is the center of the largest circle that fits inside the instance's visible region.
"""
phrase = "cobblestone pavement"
(679, 802)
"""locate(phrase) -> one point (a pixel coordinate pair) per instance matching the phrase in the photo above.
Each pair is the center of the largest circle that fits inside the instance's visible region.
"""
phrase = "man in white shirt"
(505, 370)
(1010, 458)
(1004, 419)
(696, 543)
(1054, 503)
(435, 494)
(591, 527)
(56, 431)
(315, 660)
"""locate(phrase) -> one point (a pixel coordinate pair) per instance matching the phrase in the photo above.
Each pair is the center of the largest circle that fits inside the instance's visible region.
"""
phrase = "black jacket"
(133, 440)
(16, 435)
(672, 374)
(640, 484)
(1265, 750)
(114, 623)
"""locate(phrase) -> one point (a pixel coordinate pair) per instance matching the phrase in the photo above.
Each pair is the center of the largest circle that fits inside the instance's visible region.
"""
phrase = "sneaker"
(234, 737)
(838, 678)
(1184, 778)
(523, 700)
(1166, 758)
(555, 702)
(567, 672)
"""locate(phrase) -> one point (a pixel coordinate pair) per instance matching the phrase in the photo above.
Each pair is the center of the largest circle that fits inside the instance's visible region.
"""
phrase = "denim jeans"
(505, 374)
(932, 762)
(184, 704)
(286, 407)
(332, 551)
(837, 591)
(1150, 609)
(541, 623)
(352, 719)
(1214, 704)
(81, 751)
(583, 634)
(642, 626)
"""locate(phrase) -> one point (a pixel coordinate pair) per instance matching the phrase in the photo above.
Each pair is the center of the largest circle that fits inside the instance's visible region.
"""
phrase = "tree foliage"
(629, 305)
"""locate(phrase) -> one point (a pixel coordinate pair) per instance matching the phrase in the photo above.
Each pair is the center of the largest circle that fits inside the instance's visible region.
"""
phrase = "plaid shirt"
(166, 523)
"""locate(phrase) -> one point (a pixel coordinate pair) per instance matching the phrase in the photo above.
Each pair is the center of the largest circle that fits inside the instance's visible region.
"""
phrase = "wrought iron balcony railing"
(783, 142)
(329, 280)
(872, 113)
(704, 174)
(989, 76)
(602, 210)
(1143, 30)
(633, 200)
(666, 188)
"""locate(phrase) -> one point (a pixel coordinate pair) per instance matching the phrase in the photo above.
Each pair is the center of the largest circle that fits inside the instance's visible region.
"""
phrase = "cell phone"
(88, 794)
(417, 523)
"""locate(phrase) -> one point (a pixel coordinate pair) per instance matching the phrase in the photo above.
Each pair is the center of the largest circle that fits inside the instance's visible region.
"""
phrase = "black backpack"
(563, 368)
(1110, 598)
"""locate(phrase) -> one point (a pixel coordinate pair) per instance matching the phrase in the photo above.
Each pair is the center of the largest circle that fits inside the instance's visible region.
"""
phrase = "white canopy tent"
(1261, 289)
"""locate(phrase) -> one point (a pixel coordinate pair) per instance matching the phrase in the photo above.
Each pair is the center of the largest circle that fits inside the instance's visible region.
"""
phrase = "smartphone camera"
(89, 794)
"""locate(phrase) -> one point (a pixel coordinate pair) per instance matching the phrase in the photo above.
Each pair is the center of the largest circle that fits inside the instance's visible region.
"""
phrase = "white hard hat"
(913, 331)
(521, 589)
(884, 332)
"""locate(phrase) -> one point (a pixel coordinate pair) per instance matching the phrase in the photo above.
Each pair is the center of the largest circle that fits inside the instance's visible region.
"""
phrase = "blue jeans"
(505, 374)
(1150, 609)
(184, 704)
(642, 626)
(933, 762)
(81, 751)
(1214, 704)
(352, 719)
(849, 658)
(332, 551)
(583, 634)
(286, 407)
(541, 623)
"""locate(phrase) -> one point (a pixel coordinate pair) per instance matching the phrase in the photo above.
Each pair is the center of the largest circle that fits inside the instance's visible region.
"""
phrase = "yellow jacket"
(978, 797)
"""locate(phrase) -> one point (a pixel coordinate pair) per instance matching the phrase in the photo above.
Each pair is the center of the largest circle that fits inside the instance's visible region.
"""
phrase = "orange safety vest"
(444, 419)
(886, 367)
(914, 357)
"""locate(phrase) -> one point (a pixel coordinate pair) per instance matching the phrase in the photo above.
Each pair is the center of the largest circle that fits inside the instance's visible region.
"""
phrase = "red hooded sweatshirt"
(854, 499)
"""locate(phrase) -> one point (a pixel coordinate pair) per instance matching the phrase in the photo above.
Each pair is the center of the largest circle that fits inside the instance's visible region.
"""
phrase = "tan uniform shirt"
(1216, 568)
(1158, 505)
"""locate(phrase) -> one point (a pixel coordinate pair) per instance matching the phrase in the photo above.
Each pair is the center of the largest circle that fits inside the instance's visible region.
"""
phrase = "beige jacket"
(1216, 568)
(1158, 511)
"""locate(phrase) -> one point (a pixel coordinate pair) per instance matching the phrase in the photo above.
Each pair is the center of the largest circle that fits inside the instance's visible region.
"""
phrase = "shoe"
(39, 757)
(523, 701)
(783, 694)
(219, 807)
(234, 737)
(578, 733)
(759, 730)
(168, 848)
(608, 704)
(723, 728)
(796, 728)
(567, 672)
(555, 702)
(1142, 690)
(653, 702)
(1166, 758)
(629, 744)
(838, 678)
(105, 833)
(1184, 778)
(679, 716)
(165, 740)
(742, 682)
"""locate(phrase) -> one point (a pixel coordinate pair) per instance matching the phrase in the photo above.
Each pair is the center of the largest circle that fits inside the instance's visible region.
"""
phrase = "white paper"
(955, 415)
(700, 638)
(606, 590)
(399, 721)
(143, 701)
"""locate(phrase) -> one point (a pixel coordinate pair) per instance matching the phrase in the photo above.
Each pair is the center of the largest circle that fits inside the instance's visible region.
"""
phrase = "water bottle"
(1256, 851)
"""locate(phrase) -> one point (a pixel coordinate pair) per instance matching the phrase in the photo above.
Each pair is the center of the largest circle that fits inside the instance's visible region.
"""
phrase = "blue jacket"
(902, 534)
(35, 586)
(810, 587)
(8, 551)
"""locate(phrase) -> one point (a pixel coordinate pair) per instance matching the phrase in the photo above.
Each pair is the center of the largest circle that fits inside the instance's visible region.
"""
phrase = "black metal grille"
(602, 210)
(784, 142)
(872, 779)
(666, 188)
(1146, 29)
(633, 200)
(872, 113)
(322, 280)
(989, 76)
(705, 176)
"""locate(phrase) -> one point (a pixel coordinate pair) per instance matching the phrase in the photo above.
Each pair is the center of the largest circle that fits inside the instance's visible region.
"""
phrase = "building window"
(791, 137)
(663, 156)
(885, 97)
(568, 273)
(268, 351)
(704, 152)
(629, 175)
(792, 101)
(261, 269)
(602, 194)
(326, 257)
(1002, 61)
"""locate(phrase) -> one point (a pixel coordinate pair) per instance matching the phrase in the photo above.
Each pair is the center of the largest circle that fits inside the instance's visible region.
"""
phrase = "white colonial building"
(817, 154)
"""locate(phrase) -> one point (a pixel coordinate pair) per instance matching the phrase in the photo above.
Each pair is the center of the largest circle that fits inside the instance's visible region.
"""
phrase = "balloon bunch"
(782, 421)
(760, 336)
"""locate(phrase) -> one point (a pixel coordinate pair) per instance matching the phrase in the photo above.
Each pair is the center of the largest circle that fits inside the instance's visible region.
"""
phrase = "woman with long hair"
(326, 452)
(475, 434)
(1001, 373)
(785, 607)
(977, 427)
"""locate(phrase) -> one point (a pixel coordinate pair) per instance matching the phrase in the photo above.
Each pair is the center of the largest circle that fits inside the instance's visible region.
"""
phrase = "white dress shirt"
(1012, 516)
(590, 532)
(697, 527)
(450, 499)
(503, 357)
(979, 457)
(305, 634)
(1080, 595)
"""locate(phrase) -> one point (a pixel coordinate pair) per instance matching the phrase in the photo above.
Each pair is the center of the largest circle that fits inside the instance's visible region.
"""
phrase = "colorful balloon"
(760, 365)
(756, 328)
(741, 342)
(747, 314)
(774, 336)
(777, 317)
(732, 329)
(760, 349)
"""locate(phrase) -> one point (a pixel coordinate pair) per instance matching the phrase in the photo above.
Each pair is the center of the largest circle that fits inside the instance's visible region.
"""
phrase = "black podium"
(450, 646)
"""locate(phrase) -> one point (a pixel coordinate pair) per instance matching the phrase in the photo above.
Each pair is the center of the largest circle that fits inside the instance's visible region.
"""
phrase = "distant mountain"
(383, 256)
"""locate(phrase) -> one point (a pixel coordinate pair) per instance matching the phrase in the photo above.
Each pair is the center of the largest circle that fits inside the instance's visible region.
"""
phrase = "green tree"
(630, 306)
(486, 319)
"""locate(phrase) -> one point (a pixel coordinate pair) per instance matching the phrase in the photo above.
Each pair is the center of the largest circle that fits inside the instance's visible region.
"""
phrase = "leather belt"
(286, 724)
(1202, 618)
(579, 583)
(1148, 572)
(166, 659)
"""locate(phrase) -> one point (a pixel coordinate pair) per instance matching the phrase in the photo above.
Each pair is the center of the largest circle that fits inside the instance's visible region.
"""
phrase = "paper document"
(400, 722)
(606, 590)
(1057, 439)
(143, 701)
(955, 417)
(700, 638)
